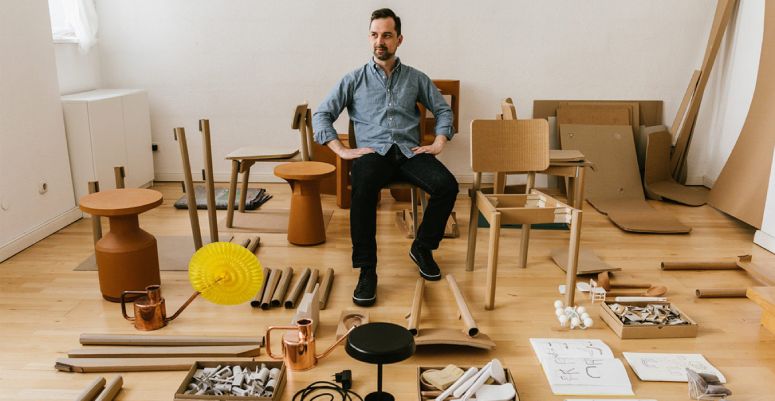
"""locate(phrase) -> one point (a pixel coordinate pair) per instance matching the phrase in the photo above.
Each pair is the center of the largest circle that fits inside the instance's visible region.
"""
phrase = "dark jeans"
(371, 172)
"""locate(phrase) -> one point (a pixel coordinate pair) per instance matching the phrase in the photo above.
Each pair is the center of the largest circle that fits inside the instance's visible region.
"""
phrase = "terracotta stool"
(305, 225)
(127, 258)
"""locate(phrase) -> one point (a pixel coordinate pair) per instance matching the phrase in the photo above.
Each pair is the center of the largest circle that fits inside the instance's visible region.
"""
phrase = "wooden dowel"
(111, 389)
(188, 182)
(96, 222)
(92, 365)
(156, 340)
(313, 279)
(701, 265)
(254, 241)
(293, 295)
(414, 315)
(90, 392)
(274, 279)
(325, 287)
(720, 292)
(204, 129)
(244, 243)
(157, 351)
(256, 302)
(282, 287)
(118, 173)
(462, 307)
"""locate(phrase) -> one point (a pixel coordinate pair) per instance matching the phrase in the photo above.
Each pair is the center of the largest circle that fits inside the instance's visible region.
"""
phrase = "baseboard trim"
(39, 232)
(764, 240)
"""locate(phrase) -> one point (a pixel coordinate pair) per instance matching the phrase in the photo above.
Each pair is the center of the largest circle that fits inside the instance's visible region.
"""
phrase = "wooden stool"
(380, 343)
(127, 258)
(305, 224)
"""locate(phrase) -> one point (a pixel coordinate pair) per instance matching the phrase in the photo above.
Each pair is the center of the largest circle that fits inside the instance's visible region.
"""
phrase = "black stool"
(380, 343)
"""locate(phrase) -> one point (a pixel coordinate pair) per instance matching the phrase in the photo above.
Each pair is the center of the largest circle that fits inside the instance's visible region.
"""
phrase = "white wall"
(243, 64)
(77, 71)
(766, 236)
(32, 136)
(728, 94)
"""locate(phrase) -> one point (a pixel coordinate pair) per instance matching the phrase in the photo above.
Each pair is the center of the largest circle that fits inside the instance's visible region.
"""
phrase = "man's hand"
(435, 148)
(349, 154)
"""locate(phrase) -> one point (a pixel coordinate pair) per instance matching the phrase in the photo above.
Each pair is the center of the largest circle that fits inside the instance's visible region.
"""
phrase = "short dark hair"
(387, 13)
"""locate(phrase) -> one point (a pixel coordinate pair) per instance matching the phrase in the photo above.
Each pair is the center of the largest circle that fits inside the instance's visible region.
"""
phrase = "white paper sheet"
(669, 367)
(581, 367)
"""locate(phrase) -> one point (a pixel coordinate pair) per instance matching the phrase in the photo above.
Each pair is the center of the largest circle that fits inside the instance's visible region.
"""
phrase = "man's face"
(383, 38)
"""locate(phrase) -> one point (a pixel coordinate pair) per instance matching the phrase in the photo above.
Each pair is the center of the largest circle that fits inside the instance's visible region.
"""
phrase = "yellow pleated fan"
(225, 273)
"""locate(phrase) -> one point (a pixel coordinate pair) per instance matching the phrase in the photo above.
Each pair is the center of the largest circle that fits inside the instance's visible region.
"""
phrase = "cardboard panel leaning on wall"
(741, 188)
(33, 150)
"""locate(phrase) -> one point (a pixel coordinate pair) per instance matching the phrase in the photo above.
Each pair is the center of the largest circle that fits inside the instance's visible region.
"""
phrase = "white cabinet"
(107, 128)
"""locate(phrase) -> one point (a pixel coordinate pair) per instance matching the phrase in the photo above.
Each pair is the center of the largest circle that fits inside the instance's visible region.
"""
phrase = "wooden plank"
(165, 351)
(156, 340)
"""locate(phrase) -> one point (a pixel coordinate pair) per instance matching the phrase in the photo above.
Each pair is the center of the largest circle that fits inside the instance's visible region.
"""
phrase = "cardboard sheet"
(650, 111)
(614, 187)
(741, 188)
(589, 263)
(633, 113)
(264, 221)
(657, 180)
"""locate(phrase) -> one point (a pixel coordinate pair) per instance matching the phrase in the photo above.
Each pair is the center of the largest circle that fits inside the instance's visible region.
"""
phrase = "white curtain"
(78, 21)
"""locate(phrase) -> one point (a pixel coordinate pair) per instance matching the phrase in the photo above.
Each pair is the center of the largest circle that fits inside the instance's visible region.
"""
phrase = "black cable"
(325, 389)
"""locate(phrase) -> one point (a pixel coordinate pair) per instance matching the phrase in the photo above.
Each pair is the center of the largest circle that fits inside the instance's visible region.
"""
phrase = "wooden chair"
(243, 158)
(515, 146)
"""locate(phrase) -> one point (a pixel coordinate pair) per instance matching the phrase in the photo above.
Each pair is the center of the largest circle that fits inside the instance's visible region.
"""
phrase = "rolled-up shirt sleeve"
(329, 110)
(432, 99)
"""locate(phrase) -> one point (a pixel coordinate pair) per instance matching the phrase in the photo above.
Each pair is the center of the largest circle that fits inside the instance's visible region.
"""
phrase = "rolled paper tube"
(325, 287)
(245, 242)
(720, 292)
(254, 241)
(471, 372)
(282, 287)
(468, 383)
(111, 389)
(462, 307)
(701, 265)
(414, 316)
(295, 292)
(313, 280)
(256, 302)
(91, 391)
(274, 279)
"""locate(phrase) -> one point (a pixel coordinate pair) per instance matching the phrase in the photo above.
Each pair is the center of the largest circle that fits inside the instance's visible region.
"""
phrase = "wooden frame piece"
(295, 292)
(96, 221)
(91, 390)
(462, 307)
(188, 185)
(111, 389)
(165, 351)
(93, 365)
(204, 129)
(160, 340)
(414, 314)
(309, 308)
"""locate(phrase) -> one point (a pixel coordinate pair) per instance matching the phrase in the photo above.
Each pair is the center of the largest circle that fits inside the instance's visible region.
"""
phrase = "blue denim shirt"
(383, 110)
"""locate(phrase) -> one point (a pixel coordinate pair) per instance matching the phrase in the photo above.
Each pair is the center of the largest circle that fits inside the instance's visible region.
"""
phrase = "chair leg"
(524, 245)
(244, 191)
(573, 257)
(473, 223)
(232, 192)
(492, 260)
(415, 216)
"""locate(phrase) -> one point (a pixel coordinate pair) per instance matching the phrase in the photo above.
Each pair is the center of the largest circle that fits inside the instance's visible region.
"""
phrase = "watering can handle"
(269, 343)
(123, 303)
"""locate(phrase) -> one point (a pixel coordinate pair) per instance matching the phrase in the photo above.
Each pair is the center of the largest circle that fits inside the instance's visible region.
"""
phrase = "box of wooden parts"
(427, 392)
(647, 320)
(239, 380)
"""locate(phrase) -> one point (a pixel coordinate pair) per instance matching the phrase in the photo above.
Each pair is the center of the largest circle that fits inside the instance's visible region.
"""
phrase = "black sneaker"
(429, 270)
(365, 293)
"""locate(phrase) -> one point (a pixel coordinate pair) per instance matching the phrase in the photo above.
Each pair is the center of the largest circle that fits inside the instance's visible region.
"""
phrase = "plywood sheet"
(657, 180)
(633, 111)
(741, 188)
(636, 215)
(650, 110)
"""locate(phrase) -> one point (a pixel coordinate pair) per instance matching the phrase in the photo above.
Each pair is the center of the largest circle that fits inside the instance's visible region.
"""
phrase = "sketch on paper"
(669, 367)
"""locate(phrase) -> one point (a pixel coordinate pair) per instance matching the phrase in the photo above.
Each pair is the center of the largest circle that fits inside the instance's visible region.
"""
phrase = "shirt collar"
(377, 68)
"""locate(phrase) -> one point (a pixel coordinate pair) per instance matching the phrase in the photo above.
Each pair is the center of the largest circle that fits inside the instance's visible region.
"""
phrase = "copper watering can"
(150, 310)
(299, 350)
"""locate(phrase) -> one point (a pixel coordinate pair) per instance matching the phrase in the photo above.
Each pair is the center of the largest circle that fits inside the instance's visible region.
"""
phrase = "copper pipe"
(185, 304)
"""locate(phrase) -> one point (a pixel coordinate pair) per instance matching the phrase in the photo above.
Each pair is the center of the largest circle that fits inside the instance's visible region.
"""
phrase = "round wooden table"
(127, 258)
(305, 224)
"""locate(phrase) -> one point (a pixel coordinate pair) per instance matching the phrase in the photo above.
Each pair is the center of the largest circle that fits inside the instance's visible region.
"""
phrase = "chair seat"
(263, 153)
(380, 343)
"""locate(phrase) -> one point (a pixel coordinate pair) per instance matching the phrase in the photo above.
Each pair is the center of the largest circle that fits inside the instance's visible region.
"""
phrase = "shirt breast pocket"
(406, 98)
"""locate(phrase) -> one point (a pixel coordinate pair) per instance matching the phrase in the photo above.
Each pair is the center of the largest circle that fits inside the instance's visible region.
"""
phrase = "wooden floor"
(45, 305)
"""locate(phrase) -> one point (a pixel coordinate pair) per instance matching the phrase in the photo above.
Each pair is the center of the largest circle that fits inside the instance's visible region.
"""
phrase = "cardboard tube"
(111, 389)
(313, 279)
(256, 302)
(414, 315)
(274, 279)
(462, 307)
(295, 292)
(701, 265)
(254, 241)
(282, 287)
(204, 128)
(720, 292)
(188, 183)
(325, 287)
(91, 391)
(244, 243)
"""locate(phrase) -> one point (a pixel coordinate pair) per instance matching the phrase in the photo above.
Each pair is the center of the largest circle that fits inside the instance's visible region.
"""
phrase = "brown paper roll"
(111, 389)
(295, 292)
(282, 287)
(256, 302)
(720, 292)
(274, 279)
(313, 279)
(325, 287)
(701, 265)
(463, 307)
(91, 391)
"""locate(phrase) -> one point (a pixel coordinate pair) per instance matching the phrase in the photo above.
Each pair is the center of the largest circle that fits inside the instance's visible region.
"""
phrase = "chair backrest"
(302, 121)
(509, 145)
(508, 110)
